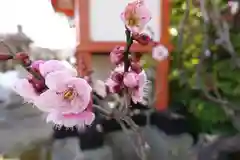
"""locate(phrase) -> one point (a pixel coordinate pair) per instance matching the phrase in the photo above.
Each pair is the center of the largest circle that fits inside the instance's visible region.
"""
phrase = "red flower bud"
(142, 38)
(5, 57)
(38, 85)
(117, 77)
(24, 58)
(117, 88)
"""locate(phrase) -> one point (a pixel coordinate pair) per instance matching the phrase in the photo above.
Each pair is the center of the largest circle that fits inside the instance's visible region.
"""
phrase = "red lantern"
(64, 6)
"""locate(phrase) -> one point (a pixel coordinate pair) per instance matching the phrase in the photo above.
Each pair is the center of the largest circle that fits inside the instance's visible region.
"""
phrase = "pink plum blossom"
(136, 15)
(112, 86)
(135, 80)
(137, 92)
(159, 53)
(131, 80)
(56, 65)
(65, 94)
(116, 56)
(114, 82)
(100, 88)
(72, 119)
(27, 87)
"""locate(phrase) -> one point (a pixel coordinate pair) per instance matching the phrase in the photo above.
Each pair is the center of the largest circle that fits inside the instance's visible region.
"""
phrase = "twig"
(129, 41)
(205, 46)
(27, 68)
(222, 29)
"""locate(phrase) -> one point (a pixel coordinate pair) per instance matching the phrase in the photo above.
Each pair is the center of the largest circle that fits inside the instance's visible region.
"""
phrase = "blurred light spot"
(173, 31)
(72, 60)
(195, 61)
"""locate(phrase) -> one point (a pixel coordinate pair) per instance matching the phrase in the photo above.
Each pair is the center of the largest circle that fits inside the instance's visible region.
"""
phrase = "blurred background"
(202, 116)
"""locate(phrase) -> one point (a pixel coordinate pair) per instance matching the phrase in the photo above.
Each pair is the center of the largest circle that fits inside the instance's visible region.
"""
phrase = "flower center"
(69, 94)
(132, 20)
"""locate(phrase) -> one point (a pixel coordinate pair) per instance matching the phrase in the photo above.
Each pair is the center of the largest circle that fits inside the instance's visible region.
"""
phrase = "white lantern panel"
(106, 24)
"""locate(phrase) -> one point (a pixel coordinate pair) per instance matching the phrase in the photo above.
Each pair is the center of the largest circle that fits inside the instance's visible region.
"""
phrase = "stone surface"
(20, 126)
(162, 146)
(25, 125)
(118, 147)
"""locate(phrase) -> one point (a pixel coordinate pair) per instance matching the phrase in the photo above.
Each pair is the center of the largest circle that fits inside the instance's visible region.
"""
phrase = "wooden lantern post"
(86, 45)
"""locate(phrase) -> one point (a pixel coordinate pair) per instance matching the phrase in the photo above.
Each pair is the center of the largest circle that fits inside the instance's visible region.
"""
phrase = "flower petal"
(140, 12)
(57, 80)
(84, 90)
(160, 53)
(142, 78)
(131, 79)
(25, 90)
(135, 96)
(70, 68)
(144, 15)
(36, 64)
(71, 120)
(138, 94)
(100, 88)
(48, 101)
(112, 85)
(55, 65)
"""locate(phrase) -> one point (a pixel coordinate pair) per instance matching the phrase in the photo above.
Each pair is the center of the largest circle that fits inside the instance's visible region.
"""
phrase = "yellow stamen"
(68, 94)
(133, 20)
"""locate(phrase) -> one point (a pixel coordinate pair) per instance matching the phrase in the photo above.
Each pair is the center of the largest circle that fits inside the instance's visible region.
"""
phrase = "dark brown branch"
(222, 29)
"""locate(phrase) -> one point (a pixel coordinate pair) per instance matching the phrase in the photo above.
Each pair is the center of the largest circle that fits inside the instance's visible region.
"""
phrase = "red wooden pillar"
(163, 67)
(83, 36)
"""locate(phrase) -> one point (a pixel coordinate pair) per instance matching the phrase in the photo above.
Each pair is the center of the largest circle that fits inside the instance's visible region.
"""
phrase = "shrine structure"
(99, 30)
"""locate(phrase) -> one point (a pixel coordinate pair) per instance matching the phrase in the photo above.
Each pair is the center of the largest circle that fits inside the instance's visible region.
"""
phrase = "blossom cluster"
(135, 17)
(65, 97)
(134, 79)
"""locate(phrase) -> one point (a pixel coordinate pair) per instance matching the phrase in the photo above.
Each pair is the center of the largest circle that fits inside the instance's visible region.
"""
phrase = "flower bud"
(38, 85)
(116, 56)
(131, 79)
(117, 77)
(142, 38)
(24, 58)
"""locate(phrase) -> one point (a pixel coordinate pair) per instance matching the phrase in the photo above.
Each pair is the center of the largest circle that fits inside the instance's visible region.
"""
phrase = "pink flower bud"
(131, 79)
(116, 56)
(112, 86)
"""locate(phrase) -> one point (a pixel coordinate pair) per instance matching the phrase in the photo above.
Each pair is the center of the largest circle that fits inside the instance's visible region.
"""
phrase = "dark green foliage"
(218, 70)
